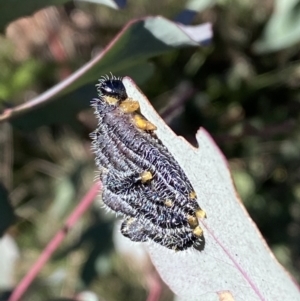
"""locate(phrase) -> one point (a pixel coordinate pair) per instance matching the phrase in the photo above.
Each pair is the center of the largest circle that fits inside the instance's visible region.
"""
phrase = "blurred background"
(242, 87)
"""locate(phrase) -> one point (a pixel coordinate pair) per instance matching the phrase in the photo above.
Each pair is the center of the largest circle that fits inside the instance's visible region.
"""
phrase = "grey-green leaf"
(127, 54)
(236, 261)
(283, 28)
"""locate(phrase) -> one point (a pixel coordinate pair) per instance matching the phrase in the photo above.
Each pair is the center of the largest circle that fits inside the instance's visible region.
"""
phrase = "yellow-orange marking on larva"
(129, 105)
(193, 195)
(198, 231)
(146, 176)
(225, 296)
(143, 124)
(192, 220)
(110, 100)
(168, 203)
(201, 213)
(130, 221)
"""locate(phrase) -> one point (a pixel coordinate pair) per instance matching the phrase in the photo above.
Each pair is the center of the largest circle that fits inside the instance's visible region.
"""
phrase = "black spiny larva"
(141, 179)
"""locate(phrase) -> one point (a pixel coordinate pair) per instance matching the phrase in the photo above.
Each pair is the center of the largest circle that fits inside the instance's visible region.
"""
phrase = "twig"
(83, 205)
(154, 286)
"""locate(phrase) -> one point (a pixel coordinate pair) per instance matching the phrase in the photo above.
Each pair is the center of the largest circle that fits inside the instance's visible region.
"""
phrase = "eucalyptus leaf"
(283, 28)
(126, 54)
(236, 262)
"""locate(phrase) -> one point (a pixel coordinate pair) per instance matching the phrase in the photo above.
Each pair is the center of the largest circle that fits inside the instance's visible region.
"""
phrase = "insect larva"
(141, 179)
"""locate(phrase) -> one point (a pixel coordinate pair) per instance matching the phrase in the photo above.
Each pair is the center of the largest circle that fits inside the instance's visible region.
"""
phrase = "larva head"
(111, 90)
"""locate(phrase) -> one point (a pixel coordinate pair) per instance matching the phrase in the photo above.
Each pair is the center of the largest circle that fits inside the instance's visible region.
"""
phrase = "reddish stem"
(154, 287)
(83, 205)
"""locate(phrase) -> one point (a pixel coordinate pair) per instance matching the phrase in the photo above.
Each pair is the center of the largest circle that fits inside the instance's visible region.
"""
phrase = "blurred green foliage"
(243, 88)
